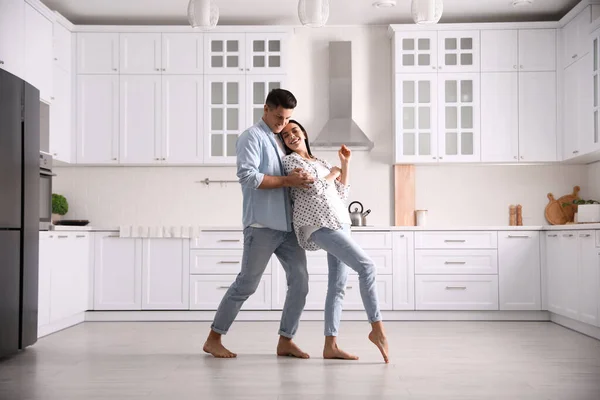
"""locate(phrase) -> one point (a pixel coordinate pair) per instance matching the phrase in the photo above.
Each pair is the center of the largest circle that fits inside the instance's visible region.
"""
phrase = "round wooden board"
(554, 213)
(570, 209)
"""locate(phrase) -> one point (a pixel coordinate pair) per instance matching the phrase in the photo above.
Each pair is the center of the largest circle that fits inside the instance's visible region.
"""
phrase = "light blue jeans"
(259, 245)
(342, 250)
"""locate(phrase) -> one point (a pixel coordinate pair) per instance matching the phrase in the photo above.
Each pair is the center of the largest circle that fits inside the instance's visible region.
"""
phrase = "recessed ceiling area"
(284, 12)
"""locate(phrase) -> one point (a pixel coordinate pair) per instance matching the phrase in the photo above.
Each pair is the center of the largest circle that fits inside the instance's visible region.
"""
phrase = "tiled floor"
(430, 360)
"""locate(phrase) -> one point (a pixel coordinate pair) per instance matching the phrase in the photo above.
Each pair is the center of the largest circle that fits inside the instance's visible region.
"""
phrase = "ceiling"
(284, 12)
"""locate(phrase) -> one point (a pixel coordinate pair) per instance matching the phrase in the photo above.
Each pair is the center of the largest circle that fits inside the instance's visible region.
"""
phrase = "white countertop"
(88, 228)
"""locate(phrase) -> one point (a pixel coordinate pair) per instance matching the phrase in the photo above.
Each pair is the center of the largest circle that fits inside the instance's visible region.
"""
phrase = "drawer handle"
(62, 237)
(552, 235)
(519, 236)
(456, 288)
(229, 240)
(568, 235)
(585, 235)
(223, 287)
(348, 287)
(455, 262)
(229, 262)
(113, 236)
(455, 241)
(80, 236)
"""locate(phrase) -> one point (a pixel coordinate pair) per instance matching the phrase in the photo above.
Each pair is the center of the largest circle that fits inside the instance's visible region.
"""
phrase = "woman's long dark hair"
(290, 151)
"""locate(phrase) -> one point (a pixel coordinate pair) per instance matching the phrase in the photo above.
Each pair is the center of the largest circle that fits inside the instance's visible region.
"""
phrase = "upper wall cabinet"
(97, 53)
(239, 53)
(530, 50)
(458, 51)
(596, 90)
(182, 53)
(38, 52)
(574, 37)
(63, 45)
(12, 37)
(416, 52)
(140, 53)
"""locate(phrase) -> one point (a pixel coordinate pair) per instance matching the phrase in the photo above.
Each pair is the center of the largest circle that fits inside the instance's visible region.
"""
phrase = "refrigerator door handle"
(47, 173)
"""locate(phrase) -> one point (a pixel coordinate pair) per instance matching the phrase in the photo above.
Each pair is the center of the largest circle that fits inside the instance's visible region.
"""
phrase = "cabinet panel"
(225, 53)
(97, 53)
(416, 52)
(461, 262)
(265, 53)
(140, 53)
(257, 89)
(12, 37)
(404, 271)
(182, 53)
(61, 141)
(456, 292)
(458, 51)
(207, 291)
(38, 52)
(63, 46)
(537, 50)
(589, 278)
(499, 51)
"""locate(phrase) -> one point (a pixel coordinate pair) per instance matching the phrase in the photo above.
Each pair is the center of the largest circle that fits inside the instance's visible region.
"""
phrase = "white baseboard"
(577, 326)
(60, 325)
(207, 316)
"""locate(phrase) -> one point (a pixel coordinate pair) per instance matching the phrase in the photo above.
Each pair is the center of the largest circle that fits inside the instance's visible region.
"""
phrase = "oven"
(45, 191)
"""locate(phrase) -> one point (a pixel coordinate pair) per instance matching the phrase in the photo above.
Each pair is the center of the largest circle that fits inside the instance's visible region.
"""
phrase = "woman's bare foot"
(287, 348)
(331, 351)
(377, 336)
(214, 346)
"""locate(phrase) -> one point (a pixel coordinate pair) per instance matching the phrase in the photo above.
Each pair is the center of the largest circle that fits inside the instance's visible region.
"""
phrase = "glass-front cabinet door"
(225, 119)
(416, 52)
(459, 120)
(416, 116)
(265, 53)
(458, 51)
(225, 53)
(257, 89)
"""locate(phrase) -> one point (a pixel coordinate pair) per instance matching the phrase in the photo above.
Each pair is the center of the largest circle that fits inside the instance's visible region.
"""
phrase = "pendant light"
(203, 14)
(427, 11)
(313, 13)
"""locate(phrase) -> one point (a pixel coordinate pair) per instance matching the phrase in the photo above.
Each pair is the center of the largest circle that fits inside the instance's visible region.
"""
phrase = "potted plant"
(60, 206)
(587, 211)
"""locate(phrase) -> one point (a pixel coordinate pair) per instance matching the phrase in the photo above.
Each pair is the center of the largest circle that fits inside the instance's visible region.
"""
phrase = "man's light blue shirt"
(258, 154)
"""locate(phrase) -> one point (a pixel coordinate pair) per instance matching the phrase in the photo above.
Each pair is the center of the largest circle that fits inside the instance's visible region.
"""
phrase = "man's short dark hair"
(281, 98)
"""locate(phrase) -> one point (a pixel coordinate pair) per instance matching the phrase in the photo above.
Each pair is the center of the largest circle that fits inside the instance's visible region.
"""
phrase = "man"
(267, 227)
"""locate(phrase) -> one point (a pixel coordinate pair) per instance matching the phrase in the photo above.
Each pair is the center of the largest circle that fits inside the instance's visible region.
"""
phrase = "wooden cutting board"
(555, 214)
(570, 209)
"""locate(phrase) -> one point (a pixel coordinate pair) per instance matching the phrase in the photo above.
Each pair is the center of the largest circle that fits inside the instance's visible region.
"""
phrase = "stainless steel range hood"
(341, 129)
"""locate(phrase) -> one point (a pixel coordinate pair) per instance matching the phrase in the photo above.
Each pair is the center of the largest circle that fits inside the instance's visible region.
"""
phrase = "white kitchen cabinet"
(537, 116)
(578, 125)
(165, 274)
(416, 113)
(97, 53)
(98, 119)
(265, 53)
(499, 116)
(537, 50)
(459, 115)
(39, 52)
(318, 265)
(499, 51)
(460, 262)
(562, 260)
(456, 292)
(182, 53)
(207, 291)
(183, 119)
(224, 117)
(575, 35)
(589, 278)
(257, 89)
(140, 53)
(225, 53)
(596, 91)
(140, 119)
(416, 52)
(519, 274)
(47, 255)
(458, 51)
(117, 273)
(63, 45)
(12, 37)
(456, 240)
(61, 140)
(404, 271)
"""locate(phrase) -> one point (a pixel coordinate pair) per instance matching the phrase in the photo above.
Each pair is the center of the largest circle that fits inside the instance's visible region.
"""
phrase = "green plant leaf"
(60, 205)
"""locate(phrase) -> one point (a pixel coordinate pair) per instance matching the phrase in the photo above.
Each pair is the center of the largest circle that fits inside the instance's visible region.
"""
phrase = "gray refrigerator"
(19, 213)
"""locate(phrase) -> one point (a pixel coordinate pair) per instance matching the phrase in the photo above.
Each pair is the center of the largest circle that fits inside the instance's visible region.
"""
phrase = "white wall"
(454, 195)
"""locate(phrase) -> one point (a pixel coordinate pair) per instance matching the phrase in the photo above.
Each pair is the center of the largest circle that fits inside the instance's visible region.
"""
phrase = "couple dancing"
(272, 156)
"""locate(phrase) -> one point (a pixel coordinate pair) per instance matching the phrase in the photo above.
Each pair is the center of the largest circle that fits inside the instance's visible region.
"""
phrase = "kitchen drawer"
(317, 262)
(597, 238)
(456, 240)
(461, 262)
(456, 292)
(218, 240)
(373, 240)
(352, 300)
(206, 292)
(218, 262)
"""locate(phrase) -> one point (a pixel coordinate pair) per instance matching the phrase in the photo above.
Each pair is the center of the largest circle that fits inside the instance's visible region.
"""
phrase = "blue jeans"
(259, 245)
(342, 250)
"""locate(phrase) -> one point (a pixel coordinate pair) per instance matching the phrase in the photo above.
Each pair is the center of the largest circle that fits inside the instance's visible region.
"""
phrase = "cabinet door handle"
(348, 287)
(115, 159)
(229, 240)
(455, 241)
(433, 66)
(113, 236)
(455, 262)
(229, 262)
(568, 235)
(114, 69)
(401, 236)
(514, 67)
(574, 56)
(552, 235)
(80, 236)
(62, 236)
(585, 235)
(576, 152)
(1, 62)
(521, 67)
(456, 288)
(519, 236)
(223, 287)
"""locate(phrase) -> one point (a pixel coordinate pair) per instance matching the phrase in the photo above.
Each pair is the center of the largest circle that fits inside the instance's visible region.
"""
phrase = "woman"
(321, 221)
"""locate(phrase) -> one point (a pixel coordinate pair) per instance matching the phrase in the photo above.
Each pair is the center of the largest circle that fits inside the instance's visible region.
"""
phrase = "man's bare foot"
(335, 353)
(378, 338)
(287, 348)
(214, 346)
